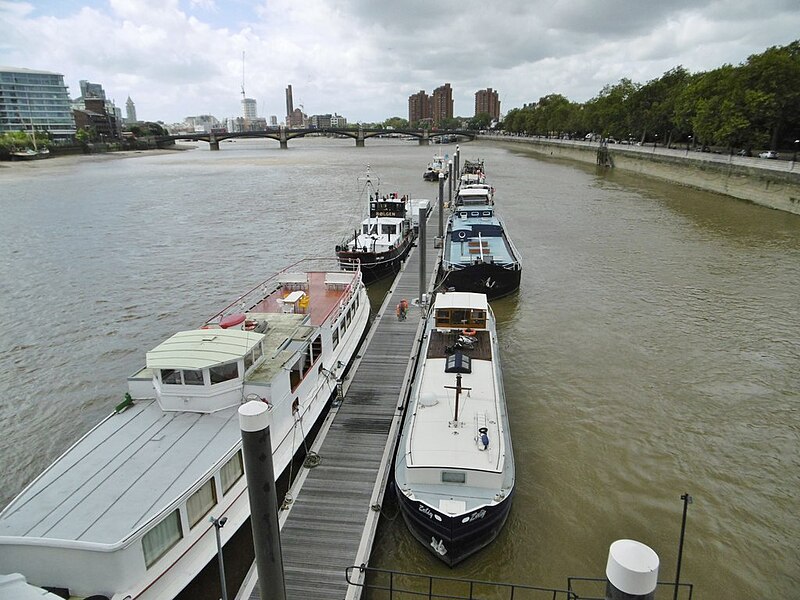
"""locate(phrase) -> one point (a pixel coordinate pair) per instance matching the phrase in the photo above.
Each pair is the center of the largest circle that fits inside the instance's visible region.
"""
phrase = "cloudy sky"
(363, 58)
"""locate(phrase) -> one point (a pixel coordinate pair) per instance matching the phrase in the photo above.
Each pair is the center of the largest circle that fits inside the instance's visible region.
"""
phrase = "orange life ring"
(470, 332)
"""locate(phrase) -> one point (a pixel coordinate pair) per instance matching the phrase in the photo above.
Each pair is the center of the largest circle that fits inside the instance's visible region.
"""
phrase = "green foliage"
(755, 104)
(480, 121)
(15, 140)
(396, 123)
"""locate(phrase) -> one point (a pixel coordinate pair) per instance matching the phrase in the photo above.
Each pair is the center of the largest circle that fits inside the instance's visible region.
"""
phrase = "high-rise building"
(486, 101)
(273, 120)
(130, 111)
(35, 100)
(289, 102)
(91, 90)
(419, 107)
(249, 108)
(442, 104)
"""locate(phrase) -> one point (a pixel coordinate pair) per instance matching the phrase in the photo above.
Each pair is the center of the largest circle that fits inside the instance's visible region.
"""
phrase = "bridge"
(283, 135)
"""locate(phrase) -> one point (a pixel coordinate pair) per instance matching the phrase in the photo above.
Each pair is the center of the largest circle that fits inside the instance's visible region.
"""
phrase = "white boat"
(385, 237)
(454, 468)
(124, 513)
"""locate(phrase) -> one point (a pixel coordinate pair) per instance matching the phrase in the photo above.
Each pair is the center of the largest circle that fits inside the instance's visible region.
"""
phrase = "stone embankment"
(772, 183)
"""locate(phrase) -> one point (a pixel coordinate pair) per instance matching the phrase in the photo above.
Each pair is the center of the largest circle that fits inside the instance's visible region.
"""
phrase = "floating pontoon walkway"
(331, 522)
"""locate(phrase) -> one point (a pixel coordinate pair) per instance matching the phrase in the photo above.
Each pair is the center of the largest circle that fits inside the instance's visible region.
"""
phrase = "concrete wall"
(775, 184)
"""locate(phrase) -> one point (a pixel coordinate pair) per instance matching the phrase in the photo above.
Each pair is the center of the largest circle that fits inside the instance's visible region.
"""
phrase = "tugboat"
(436, 166)
(478, 255)
(454, 469)
(385, 237)
(124, 513)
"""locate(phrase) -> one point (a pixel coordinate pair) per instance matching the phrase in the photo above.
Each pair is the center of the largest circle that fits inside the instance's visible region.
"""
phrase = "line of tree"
(753, 105)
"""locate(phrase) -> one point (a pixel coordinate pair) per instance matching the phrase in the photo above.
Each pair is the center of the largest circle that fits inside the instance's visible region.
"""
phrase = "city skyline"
(183, 57)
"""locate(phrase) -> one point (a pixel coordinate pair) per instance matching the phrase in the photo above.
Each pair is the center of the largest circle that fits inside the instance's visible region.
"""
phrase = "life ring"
(250, 324)
(470, 332)
(462, 235)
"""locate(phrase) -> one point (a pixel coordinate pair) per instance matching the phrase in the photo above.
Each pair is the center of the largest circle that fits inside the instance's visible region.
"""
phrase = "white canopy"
(461, 300)
(202, 348)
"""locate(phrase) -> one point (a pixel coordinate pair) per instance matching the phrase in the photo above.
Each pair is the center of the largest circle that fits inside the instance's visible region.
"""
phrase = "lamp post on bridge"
(688, 143)
(794, 156)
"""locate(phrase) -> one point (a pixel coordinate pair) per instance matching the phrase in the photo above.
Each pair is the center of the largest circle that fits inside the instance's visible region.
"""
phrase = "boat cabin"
(460, 310)
(203, 370)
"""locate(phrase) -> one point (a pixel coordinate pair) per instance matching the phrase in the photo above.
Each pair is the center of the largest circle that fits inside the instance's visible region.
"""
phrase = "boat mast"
(458, 388)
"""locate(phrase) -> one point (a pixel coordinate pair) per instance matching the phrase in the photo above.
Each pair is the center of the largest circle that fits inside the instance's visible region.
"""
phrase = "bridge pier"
(213, 144)
(283, 139)
(425, 139)
(360, 138)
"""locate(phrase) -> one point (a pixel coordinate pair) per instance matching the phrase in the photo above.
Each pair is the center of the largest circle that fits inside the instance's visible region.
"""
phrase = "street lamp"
(794, 156)
(688, 143)
(219, 524)
(655, 142)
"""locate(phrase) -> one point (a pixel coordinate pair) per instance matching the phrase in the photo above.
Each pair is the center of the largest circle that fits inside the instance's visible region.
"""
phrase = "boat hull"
(485, 278)
(376, 265)
(450, 539)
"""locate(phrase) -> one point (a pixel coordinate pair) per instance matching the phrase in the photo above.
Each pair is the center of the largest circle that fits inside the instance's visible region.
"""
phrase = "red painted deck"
(322, 298)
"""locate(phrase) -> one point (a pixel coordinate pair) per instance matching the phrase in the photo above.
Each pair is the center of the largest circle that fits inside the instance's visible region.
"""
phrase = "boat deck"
(332, 521)
(322, 290)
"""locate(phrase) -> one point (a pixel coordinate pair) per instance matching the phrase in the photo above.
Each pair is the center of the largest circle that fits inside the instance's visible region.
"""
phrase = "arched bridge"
(283, 135)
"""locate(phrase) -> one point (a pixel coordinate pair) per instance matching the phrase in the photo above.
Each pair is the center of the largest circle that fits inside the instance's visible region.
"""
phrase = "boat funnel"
(631, 572)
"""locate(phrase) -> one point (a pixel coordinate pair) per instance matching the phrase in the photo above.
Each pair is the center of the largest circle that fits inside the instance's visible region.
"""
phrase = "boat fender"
(470, 332)
(250, 324)
(484, 435)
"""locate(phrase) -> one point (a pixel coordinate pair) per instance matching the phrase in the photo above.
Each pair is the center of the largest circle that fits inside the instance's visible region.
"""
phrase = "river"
(653, 348)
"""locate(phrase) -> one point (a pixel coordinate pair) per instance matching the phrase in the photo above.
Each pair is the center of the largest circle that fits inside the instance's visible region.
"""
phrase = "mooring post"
(423, 218)
(441, 206)
(254, 421)
(451, 184)
(456, 160)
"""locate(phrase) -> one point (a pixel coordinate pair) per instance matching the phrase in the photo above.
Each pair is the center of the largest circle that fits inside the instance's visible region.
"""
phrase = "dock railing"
(593, 588)
(383, 584)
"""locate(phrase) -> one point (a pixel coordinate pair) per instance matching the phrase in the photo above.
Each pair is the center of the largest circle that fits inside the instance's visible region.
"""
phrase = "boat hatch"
(458, 363)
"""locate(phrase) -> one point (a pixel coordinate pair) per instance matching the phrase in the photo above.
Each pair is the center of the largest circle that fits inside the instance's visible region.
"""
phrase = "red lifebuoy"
(470, 332)
(250, 324)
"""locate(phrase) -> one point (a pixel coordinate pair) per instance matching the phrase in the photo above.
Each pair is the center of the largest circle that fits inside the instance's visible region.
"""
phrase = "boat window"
(201, 502)
(231, 472)
(248, 360)
(477, 318)
(192, 377)
(475, 213)
(459, 316)
(389, 229)
(454, 477)
(224, 372)
(171, 376)
(487, 213)
(443, 317)
(342, 327)
(157, 542)
(335, 338)
(257, 352)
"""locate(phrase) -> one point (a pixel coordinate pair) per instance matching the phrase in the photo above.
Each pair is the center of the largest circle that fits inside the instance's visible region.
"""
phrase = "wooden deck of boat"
(332, 520)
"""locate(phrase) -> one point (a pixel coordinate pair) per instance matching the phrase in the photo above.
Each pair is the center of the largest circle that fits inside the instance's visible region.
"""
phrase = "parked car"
(744, 152)
(768, 154)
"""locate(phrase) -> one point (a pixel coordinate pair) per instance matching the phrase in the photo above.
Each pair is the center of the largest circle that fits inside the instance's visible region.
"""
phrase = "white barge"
(124, 513)
(454, 468)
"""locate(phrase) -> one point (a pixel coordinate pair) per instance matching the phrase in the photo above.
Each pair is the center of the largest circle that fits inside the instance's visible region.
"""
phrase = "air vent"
(458, 363)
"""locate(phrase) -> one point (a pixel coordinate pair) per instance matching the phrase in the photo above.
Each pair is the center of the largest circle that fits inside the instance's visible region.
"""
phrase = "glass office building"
(35, 99)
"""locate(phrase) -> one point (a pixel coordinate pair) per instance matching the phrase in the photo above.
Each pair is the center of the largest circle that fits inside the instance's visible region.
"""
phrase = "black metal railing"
(594, 588)
(383, 584)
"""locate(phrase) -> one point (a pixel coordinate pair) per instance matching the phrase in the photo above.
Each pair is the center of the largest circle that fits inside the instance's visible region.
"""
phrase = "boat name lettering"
(478, 514)
(387, 209)
(425, 510)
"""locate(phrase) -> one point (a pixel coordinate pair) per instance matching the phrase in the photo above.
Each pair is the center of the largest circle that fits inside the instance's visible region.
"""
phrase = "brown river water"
(653, 348)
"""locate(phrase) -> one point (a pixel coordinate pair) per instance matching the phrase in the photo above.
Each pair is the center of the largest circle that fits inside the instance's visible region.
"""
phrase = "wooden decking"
(331, 522)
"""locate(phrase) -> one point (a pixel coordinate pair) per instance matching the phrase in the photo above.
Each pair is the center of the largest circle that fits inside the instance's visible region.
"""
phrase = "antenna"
(243, 95)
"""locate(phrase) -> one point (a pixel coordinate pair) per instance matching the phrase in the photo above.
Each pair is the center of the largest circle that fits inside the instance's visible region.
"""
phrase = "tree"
(395, 123)
(480, 121)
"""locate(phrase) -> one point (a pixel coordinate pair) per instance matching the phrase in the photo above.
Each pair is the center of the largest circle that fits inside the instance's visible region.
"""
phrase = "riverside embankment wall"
(775, 184)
